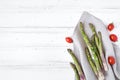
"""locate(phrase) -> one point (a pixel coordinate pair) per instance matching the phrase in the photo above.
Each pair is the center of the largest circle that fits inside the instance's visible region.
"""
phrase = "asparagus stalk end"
(75, 71)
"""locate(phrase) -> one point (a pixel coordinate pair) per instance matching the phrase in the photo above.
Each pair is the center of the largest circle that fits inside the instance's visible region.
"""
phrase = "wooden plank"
(54, 19)
(33, 47)
(36, 37)
(36, 74)
(34, 56)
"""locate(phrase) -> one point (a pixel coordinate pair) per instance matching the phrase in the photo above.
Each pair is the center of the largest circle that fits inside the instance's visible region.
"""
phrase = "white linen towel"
(79, 46)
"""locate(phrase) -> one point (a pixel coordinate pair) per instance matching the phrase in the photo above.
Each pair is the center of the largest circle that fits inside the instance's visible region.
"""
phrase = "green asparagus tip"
(81, 23)
(72, 65)
(81, 26)
(69, 50)
(92, 27)
(99, 33)
(100, 37)
(91, 24)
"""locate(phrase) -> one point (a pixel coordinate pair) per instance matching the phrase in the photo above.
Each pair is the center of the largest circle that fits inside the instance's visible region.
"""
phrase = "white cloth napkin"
(79, 46)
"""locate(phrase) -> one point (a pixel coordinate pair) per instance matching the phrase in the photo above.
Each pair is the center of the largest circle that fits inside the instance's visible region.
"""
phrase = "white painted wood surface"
(32, 32)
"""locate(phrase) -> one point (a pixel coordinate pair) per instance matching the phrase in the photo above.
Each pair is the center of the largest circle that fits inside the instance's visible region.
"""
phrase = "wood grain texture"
(32, 35)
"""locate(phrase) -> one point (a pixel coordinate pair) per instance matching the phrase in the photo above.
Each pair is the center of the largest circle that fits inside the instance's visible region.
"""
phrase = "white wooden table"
(32, 32)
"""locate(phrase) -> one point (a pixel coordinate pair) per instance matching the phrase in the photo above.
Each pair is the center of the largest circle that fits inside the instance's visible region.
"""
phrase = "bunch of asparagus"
(94, 53)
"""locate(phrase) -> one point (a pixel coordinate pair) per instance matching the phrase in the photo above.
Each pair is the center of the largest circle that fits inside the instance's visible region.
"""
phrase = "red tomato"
(111, 60)
(113, 37)
(110, 27)
(69, 39)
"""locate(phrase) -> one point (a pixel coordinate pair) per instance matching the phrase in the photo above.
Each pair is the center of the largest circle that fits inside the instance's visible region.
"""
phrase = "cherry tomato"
(69, 39)
(110, 27)
(113, 37)
(111, 60)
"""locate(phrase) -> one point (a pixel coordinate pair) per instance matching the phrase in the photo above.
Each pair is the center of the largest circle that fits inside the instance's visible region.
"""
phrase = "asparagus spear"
(75, 71)
(96, 50)
(91, 62)
(94, 33)
(92, 51)
(100, 48)
(78, 66)
(98, 41)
